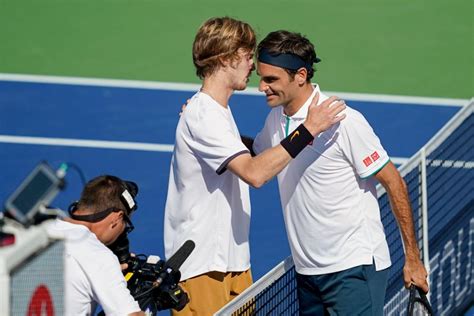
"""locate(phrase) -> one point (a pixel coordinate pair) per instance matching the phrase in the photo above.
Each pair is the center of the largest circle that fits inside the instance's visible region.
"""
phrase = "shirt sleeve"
(361, 146)
(109, 286)
(215, 139)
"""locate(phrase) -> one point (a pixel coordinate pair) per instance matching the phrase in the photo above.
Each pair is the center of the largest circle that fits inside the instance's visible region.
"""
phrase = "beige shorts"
(210, 291)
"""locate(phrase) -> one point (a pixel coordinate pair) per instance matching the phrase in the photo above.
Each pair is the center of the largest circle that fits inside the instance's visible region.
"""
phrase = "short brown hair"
(285, 42)
(102, 193)
(219, 39)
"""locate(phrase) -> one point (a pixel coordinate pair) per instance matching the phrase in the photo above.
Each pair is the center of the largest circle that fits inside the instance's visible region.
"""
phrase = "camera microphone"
(175, 262)
(181, 255)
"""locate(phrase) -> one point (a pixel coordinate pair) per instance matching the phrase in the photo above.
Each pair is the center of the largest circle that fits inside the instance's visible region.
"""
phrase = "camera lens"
(121, 248)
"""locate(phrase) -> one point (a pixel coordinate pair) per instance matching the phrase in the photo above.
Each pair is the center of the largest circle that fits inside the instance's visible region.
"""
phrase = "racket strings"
(419, 309)
(418, 304)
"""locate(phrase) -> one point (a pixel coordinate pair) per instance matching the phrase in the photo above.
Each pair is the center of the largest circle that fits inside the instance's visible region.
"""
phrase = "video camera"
(151, 281)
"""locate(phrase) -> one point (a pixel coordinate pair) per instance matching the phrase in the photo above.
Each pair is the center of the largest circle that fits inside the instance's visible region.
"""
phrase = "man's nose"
(262, 86)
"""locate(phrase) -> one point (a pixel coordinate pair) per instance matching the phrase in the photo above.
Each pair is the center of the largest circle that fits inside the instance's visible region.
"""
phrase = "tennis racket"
(418, 304)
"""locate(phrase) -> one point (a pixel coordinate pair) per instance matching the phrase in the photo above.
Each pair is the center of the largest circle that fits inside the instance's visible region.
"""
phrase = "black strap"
(297, 140)
(96, 217)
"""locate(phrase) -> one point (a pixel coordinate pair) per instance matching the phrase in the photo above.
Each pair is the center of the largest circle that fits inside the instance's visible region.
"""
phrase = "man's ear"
(224, 61)
(116, 218)
(301, 76)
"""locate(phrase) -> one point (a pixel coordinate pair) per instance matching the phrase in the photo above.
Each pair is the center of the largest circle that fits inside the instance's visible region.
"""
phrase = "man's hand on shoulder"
(323, 116)
(183, 107)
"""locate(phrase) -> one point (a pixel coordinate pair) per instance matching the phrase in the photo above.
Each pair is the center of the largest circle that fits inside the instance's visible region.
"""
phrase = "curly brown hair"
(218, 40)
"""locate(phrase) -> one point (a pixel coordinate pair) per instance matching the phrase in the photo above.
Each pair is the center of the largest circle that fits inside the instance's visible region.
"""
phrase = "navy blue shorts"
(356, 291)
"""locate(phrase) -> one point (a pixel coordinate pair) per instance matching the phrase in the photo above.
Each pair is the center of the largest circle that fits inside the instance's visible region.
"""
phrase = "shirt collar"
(303, 111)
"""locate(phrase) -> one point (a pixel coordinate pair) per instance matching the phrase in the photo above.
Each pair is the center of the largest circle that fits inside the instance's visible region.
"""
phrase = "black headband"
(96, 217)
(130, 191)
(288, 60)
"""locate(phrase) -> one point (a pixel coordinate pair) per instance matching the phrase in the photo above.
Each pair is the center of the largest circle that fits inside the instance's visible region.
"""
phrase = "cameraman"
(92, 272)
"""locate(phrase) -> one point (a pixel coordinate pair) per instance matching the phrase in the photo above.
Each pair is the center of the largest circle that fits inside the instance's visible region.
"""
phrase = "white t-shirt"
(206, 203)
(329, 201)
(92, 273)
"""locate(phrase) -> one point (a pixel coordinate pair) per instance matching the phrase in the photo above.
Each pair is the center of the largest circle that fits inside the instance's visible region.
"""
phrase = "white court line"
(154, 85)
(90, 143)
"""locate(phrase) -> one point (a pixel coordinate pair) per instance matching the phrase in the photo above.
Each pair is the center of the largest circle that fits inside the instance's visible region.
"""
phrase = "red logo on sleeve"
(367, 161)
(375, 156)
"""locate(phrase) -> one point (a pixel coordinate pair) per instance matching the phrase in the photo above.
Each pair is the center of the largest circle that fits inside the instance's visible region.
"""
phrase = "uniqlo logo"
(375, 156)
(367, 161)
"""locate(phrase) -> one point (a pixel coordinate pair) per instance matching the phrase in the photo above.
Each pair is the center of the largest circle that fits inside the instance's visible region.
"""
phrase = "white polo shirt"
(329, 201)
(206, 203)
(92, 273)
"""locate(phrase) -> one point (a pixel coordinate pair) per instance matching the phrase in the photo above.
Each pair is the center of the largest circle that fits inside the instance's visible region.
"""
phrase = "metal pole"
(424, 211)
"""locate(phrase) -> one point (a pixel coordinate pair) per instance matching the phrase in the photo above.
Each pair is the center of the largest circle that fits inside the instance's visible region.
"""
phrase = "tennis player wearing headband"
(328, 191)
(92, 272)
(208, 193)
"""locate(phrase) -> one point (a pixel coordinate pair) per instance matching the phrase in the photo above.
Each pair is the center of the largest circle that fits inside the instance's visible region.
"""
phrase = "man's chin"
(241, 87)
(272, 101)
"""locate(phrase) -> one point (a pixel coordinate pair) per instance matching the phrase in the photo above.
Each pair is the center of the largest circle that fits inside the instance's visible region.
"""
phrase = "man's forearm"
(402, 211)
(401, 208)
(256, 171)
